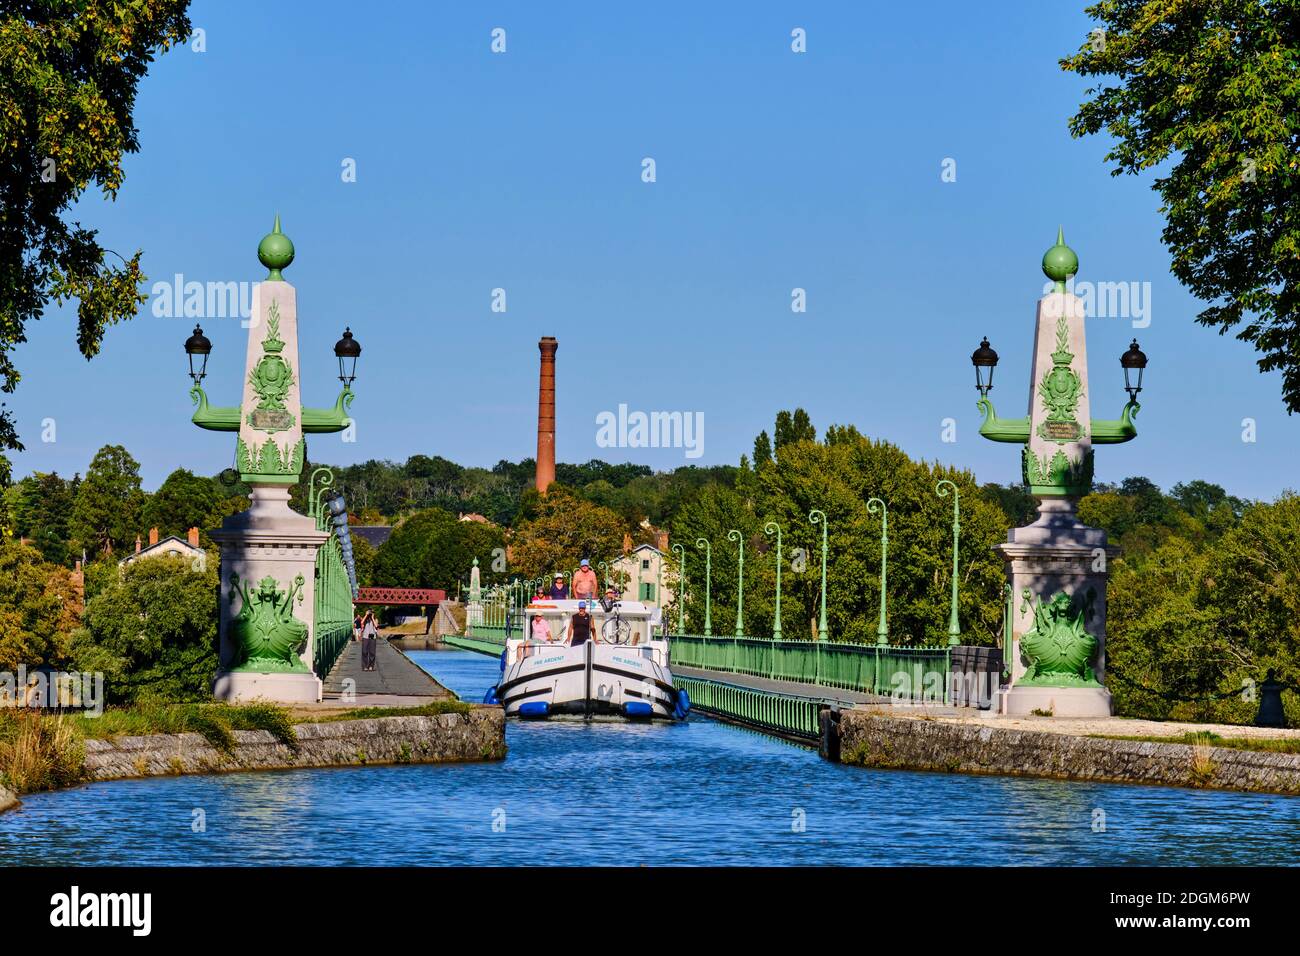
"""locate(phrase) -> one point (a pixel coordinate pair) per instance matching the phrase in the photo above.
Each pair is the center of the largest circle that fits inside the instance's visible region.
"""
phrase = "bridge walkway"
(396, 680)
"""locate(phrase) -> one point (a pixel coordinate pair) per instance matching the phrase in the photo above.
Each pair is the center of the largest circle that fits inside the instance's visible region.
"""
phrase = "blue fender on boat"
(683, 706)
(638, 708)
(491, 696)
(534, 708)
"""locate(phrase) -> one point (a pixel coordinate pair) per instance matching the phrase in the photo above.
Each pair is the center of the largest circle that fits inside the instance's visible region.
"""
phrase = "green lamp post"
(280, 630)
(708, 584)
(736, 536)
(773, 528)
(942, 489)
(819, 517)
(1055, 640)
(876, 505)
(681, 588)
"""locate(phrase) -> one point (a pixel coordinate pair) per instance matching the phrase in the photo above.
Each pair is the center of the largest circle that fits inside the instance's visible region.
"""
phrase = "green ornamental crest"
(1059, 647)
(267, 636)
(1060, 390)
(271, 379)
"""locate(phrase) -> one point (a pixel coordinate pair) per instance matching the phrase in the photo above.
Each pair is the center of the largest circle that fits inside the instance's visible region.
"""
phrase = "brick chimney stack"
(546, 414)
(193, 537)
(153, 537)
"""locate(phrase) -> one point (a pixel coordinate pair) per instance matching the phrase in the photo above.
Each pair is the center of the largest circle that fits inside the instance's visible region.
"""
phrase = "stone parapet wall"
(878, 739)
(446, 738)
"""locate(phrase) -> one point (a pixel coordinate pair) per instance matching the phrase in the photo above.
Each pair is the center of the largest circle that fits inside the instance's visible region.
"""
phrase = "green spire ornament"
(1060, 262)
(275, 251)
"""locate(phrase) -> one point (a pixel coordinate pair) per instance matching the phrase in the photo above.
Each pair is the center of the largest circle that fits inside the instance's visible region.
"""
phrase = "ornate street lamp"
(773, 528)
(708, 584)
(734, 535)
(681, 588)
(198, 345)
(1054, 642)
(985, 361)
(942, 489)
(1134, 358)
(874, 505)
(347, 350)
(819, 517)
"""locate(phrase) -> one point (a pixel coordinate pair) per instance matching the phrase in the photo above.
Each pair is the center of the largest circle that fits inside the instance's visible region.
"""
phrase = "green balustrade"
(912, 673)
(333, 611)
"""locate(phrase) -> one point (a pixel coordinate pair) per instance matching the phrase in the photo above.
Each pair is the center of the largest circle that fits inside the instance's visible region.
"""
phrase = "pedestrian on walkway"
(369, 637)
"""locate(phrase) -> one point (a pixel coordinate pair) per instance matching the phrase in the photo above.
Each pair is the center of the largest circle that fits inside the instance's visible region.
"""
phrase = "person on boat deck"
(559, 591)
(541, 631)
(607, 602)
(584, 582)
(580, 626)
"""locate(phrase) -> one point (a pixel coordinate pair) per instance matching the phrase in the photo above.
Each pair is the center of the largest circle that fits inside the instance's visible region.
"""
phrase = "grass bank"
(40, 751)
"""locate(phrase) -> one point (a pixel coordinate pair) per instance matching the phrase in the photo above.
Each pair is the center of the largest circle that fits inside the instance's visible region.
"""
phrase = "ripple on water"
(701, 792)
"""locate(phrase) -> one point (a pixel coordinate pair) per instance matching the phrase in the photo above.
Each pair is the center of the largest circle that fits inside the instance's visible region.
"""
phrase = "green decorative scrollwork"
(1059, 647)
(271, 379)
(1058, 475)
(1001, 429)
(266, 635)
(1060, 390)
(269, 460)
(213, 417)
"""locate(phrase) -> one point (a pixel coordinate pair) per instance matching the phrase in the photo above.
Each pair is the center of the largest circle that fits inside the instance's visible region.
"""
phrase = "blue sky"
(523, 171)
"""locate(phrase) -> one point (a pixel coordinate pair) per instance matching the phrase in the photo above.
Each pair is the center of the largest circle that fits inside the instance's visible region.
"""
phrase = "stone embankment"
(1067, 751)
(445, 738)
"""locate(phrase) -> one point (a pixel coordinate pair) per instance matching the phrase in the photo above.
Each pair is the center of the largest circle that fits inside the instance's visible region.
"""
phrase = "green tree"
(42, 507)
(183, 501)
(432, 549)
(565, 529)
(762, 449)
(793, 427)
(68, 79)
(106, 513)
(38, 608)
(1206, 90)
(152, 632)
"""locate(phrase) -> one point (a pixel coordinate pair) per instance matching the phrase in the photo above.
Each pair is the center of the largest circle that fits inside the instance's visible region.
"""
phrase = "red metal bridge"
(406, 597)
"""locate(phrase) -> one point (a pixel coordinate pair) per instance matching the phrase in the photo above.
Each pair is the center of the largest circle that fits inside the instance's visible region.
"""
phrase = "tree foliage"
(106, 514)
(152, 632)
(432, 549)
(1207, 90)
(68, 79)
(38, 608)
(565, 529)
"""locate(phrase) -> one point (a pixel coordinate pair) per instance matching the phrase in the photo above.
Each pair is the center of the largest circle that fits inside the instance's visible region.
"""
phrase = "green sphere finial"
(275, 251)
(1060, 261)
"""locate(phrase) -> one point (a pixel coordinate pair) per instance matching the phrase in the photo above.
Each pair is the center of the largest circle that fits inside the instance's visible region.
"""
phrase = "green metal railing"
(783, 713)
(333, 612)
(912, 673)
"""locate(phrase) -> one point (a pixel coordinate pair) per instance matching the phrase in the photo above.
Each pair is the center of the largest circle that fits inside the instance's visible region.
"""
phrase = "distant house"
(474, 516)
(646, 576)
(187, 547)
(373, 534)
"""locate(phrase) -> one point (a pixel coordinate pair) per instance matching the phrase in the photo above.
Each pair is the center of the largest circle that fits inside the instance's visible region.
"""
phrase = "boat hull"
(592, 679)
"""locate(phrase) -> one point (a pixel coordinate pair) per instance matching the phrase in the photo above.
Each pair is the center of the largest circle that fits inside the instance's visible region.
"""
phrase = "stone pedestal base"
(242, 687)
(1089, 702)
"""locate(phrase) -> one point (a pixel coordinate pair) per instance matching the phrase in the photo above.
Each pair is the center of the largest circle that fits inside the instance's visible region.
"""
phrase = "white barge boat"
(622, 670)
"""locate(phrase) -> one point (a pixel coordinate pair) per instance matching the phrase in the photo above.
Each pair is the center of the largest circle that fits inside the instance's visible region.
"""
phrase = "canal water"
(699, 792)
